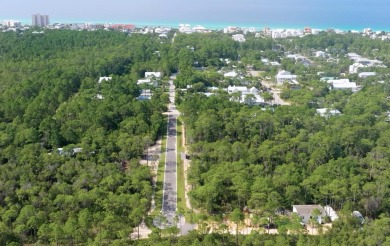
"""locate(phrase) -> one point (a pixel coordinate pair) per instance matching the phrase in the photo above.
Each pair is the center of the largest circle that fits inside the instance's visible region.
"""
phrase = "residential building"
(39, 20)
(284, 76)
(324, 79)
(366, 74)
(343, 84)
(320, 54)
(123, 27)
(69, 151)
(11, 23)
(367, 31)
(104, 78)
(248, 96)
(231, 29)
(315, 31)
(151, 74)
(145, 95)
(331, 213)
(275, 63)
(242, 89)
(199, 29)
(185, 28)
(285, 33)
(247, 30)
(327, 112)
(306, 212)
(360, 62)
(307, 30)
(147, 81)
(355, 67)
(231, 74)
(239, 38)
(265, 61)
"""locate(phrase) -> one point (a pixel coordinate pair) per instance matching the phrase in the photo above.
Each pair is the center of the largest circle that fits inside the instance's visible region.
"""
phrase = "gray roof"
(307, 209)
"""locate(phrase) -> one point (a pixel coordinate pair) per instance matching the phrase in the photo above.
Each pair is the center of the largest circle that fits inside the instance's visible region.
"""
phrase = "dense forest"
(263, 158)
(48, 100)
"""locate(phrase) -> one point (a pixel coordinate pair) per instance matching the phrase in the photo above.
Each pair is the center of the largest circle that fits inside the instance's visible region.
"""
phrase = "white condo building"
(11, 23)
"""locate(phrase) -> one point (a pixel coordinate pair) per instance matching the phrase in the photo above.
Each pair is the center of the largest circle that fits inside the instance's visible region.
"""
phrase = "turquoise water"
(222, 25)
(214, 14)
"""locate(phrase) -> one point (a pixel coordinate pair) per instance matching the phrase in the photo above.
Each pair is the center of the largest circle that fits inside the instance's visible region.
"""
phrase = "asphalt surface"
(170, 177)
(169, 206)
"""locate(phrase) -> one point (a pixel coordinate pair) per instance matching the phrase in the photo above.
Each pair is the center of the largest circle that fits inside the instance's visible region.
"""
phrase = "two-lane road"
(170, 176)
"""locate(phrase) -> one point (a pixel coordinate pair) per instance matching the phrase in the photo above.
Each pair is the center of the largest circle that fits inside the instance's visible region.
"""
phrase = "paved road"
(170, 177)
(276, 93)
(169, 206)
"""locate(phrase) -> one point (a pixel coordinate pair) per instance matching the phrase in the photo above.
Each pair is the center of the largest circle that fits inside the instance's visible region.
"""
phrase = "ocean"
(217, 14)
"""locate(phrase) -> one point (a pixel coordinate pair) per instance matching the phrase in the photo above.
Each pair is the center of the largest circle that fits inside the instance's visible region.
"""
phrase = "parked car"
(270, 226)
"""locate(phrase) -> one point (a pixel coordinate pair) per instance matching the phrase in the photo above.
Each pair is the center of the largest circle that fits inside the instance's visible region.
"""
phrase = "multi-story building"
(11, 23)
(40, 20)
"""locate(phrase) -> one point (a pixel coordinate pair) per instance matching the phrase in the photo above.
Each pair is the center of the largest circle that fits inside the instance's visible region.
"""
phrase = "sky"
(274, 13)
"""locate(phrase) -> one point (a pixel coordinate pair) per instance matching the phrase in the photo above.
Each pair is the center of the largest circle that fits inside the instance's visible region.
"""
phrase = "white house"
(231, 74)
(104, 78)
(62, 151)
(199, 29)
(275, 63)
(99, 96)
(366, 74)
(155, 74)
(320, 54)
(355, 67)
(255, 100)
(265, 61)
(306, 212)
(327, 112)
(283, 76)
(239, 37)
(185, 28)
(11, 23)
(284, 33)
(242, 89)
(147, 81)
(162, 35)
(245, 92)
(343, 84)
(331, 213)
(145, 95)
(230, 29)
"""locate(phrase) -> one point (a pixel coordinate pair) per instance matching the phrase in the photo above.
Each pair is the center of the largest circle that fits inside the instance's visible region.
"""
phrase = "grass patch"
(181, 200)
(158, 195)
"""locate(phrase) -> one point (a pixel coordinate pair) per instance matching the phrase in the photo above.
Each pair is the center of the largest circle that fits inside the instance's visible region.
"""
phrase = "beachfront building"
(11, 23)
(231, 29)
(39, 20)
(185, 28)
(285, 33)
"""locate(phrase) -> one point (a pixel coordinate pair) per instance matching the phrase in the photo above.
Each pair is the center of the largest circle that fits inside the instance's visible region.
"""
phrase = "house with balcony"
(285, 76)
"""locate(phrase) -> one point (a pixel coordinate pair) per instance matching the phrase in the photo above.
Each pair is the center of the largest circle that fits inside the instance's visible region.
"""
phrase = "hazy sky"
(283, 12)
